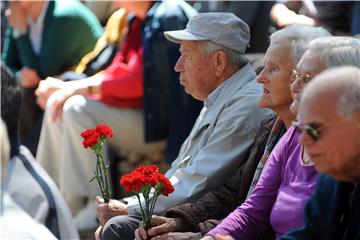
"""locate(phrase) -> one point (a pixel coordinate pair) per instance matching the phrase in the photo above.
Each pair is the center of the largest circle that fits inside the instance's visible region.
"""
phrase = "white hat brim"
(182, 35)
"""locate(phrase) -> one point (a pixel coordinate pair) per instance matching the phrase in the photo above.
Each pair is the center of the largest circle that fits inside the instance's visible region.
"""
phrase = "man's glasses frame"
(314, 133)
(302, 78)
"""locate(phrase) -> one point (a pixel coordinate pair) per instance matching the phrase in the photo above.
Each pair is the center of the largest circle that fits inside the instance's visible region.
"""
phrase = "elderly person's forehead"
(310, 63)
(335, 88)
(336, 51)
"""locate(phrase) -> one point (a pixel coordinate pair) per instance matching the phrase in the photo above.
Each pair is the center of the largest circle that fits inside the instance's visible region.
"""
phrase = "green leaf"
(94, 177)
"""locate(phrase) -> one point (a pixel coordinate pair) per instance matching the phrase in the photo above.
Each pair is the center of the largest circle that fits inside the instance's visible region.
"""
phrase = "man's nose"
(179, 65)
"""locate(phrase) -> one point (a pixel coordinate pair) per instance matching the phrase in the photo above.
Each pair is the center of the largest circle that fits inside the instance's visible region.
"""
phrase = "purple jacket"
(278, 199)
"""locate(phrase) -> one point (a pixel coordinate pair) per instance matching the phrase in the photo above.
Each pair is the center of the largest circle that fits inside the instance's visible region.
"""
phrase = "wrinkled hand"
(160, 225)
(109, 210)
(173, 236)
(208, 238)
(164, 227)
(98, 233)
(223, 237)
(16, 16)
(28, 78)
(46, 88)
(296, 19)
(58, 99)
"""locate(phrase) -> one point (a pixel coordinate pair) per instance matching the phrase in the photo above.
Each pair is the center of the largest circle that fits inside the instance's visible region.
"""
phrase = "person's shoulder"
(174, 8)
(69, 10)
(326, 181)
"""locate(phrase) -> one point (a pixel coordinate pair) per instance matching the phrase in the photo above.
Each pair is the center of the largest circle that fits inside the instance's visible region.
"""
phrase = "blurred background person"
(101, 9)
(14, 222)
(338, 17)
(44, 203)
(44, 38)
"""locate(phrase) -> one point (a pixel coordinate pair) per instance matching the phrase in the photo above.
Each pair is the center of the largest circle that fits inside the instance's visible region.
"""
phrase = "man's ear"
(220, 62)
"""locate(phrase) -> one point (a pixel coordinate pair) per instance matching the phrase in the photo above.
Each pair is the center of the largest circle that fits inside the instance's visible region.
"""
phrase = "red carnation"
(91, 140)
(141, 181)
(95, 139)
(104, 131)
(147, 170)
(88, 133)
(133, 182)
(165, 185)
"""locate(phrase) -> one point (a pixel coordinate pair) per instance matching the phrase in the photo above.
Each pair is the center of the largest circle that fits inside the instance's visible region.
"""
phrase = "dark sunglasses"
(300, 77)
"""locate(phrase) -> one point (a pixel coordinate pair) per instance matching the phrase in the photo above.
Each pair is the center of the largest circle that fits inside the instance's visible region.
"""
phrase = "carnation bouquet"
(95, 139)
(149, 183)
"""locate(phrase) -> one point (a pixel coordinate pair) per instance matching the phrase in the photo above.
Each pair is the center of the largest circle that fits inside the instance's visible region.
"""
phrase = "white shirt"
(36, 29)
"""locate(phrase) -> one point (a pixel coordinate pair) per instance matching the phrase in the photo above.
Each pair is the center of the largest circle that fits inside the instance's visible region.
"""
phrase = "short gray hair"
(234, 58)
(298, 37)
(337, 51)
(344, 82)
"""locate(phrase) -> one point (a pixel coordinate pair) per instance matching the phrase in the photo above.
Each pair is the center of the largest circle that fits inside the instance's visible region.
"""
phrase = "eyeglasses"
(301, 77)
(313, 132)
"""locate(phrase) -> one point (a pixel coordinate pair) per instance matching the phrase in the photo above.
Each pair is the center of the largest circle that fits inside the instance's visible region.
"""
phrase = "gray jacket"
(219, 142)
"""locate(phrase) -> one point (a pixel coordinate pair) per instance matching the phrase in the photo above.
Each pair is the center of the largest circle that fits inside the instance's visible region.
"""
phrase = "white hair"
(343, 82)
(298, 38)
(234, 57)
(337, 51)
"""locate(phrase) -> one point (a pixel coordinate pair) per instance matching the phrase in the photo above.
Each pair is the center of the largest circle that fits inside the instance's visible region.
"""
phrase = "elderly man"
(329, 119)
(323, 53)
(212, 69)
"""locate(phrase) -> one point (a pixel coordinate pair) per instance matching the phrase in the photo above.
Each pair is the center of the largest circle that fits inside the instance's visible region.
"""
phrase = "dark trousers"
(30, 120)
(121, 227)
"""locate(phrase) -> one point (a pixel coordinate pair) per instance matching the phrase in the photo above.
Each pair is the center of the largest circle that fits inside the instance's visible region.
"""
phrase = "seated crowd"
(273, 155)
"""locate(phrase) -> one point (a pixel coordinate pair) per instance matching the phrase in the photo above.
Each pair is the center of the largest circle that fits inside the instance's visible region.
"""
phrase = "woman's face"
(275, 78)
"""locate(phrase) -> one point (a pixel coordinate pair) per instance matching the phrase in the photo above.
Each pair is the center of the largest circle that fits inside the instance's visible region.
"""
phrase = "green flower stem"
(143, 213)
(98, 166)
(101, 171)
(106, 190)
(99, 183)
(154, 199)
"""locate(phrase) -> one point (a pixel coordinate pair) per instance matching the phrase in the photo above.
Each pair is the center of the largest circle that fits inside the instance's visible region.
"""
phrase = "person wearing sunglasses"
(289, 178)
(331, 102)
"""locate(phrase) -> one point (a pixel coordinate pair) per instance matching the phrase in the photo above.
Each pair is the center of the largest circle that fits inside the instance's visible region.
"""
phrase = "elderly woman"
(286, 48)
(289, 178)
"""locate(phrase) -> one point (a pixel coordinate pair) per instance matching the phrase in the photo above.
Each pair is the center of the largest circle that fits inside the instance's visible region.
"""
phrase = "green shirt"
(70, 31)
